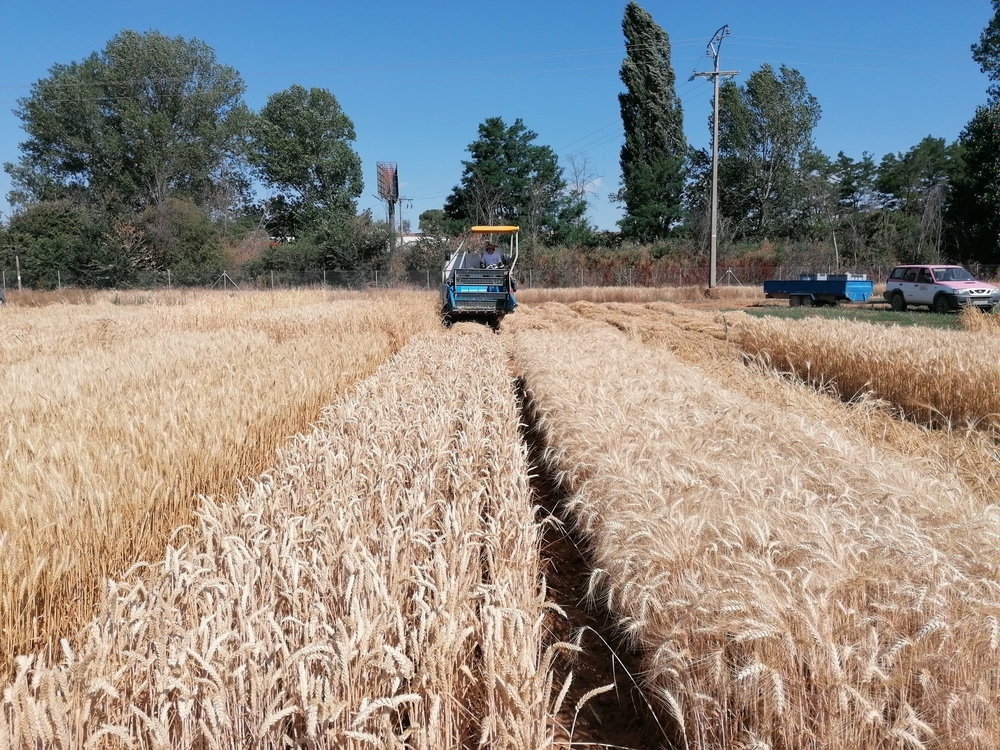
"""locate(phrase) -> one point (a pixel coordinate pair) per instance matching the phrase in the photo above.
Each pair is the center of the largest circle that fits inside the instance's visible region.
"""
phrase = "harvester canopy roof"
(494, 230)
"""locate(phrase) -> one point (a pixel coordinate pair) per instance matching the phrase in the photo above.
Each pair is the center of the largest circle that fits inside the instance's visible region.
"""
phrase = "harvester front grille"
(480, 301)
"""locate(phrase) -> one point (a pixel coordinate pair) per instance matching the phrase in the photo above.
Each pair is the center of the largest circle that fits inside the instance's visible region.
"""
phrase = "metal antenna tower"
(714, 45)
(388, 190)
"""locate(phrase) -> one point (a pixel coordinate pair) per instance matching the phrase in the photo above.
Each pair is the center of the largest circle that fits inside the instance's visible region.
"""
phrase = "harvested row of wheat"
(639, 294)
(939, 377)
(700, 338)
(116, 418)
(380, 587)
(787, 586)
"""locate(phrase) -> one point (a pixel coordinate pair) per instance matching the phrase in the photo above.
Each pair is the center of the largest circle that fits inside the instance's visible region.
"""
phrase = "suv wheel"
(941, 304)
(897, 303)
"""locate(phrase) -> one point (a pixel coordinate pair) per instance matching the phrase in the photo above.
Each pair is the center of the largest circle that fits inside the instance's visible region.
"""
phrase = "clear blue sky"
(417, 78)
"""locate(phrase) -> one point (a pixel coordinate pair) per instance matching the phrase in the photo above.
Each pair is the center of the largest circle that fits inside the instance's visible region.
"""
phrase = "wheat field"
(789, 584)
(709, 342)
(379, 587)
(640, 294)
(117, 416)
(938, 377)
(794, 563)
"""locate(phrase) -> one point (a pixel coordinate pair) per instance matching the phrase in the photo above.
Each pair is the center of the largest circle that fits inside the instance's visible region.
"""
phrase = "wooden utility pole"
(714, 46)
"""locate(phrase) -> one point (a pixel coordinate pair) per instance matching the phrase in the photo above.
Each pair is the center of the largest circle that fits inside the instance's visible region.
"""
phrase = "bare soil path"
(618, 718)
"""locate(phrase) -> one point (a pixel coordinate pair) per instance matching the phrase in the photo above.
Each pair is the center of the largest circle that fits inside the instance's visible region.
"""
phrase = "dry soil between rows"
(619, 718)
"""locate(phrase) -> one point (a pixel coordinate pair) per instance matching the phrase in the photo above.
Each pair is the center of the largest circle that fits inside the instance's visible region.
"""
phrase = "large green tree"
(655, 149)
(856, 201)
(915, 189)
(60, 242)
(179, 237)
(766, 151)
(512, 180)
(302, 150)
(906, 181)
(986, 51)
(974, 210)
(148, 118)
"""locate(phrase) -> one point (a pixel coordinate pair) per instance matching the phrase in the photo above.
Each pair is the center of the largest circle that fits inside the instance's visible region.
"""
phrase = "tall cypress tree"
(654, 153)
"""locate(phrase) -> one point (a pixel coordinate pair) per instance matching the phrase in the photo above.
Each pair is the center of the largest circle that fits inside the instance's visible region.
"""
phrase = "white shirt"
(492, 258)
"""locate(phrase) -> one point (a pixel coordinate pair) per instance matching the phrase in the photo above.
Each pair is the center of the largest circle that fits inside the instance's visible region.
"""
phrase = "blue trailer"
(815, 289)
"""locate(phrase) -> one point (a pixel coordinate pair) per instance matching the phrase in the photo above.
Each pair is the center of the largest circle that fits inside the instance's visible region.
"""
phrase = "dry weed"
(971, 319)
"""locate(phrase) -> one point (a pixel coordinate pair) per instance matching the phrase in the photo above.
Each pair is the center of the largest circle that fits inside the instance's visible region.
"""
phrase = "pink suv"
(941, 288)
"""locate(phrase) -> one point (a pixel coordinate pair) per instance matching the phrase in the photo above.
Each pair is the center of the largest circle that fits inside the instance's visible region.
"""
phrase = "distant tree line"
(782, 201)
(936, 201)
(143, 159)
(140, 160)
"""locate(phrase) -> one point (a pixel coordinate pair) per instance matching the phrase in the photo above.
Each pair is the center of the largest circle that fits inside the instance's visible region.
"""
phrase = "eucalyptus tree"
(986, 51)
(974, 210)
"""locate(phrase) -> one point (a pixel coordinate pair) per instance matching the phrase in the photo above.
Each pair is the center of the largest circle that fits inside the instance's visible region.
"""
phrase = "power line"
(343, 85)
(849, 48)
(609, 125)
(459, 63)
(550, 55)
(861, 68)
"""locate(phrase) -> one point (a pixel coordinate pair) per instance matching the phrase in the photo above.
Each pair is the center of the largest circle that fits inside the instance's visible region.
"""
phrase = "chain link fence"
(572, 275)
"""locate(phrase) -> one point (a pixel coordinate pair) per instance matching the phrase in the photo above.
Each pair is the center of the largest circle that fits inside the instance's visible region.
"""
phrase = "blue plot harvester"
(472, 290)
(817, 289)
